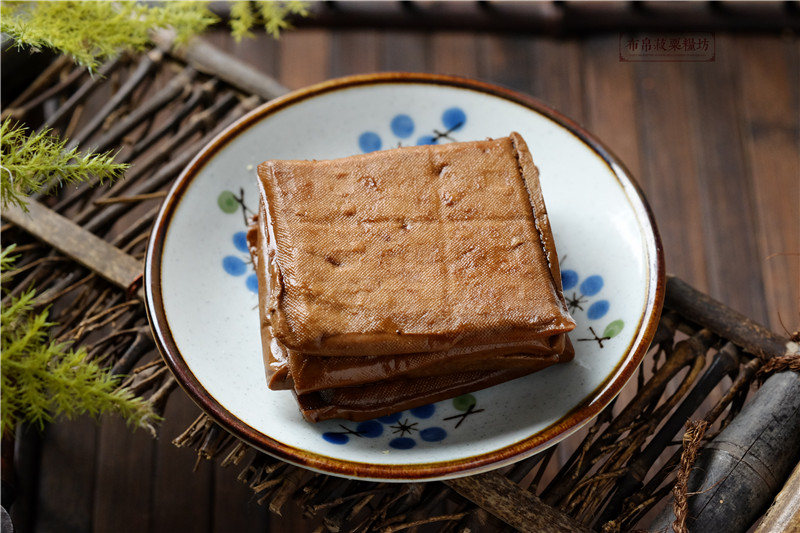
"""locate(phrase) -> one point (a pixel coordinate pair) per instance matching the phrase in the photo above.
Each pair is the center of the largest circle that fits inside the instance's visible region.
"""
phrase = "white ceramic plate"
(201, 290)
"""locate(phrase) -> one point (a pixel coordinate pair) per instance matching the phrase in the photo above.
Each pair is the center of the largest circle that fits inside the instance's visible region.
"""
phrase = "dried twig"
(39, 99)
(425, 521)
(143, 72)
(131, 199)
(68, 108)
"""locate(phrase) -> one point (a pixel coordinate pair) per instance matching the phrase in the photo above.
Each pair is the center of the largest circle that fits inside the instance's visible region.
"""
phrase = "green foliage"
(272, 15)
(43, 379)
(243, 18)
(33, 163)
(92, 32)
(7, 262)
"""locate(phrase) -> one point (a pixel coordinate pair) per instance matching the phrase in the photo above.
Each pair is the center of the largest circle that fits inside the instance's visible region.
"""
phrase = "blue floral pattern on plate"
(403, 127)
(580, 296)
(406, 429)
(238, 265)
(403, 430)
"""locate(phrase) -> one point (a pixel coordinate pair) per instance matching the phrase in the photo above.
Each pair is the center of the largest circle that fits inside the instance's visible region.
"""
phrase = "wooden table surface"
(714, 146)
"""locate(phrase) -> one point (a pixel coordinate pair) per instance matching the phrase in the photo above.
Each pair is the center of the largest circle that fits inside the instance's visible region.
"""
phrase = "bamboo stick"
(141, 344)
(95, 217)
(172, 90)
(725, 362)
(641, 502)
(20, 112)
(202, 95)
(738, 473)
(784, 514)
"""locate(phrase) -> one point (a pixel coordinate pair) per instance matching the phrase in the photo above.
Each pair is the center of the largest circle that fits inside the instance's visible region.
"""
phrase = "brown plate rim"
(526, 447)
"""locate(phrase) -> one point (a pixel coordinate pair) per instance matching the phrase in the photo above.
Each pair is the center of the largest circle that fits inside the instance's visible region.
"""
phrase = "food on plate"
(397, 278)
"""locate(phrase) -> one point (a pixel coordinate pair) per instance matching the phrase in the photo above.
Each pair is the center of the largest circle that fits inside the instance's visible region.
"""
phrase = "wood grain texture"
(555, 73)
(171, 490)
(670, 177)
(768, 76)
(503, 60)
(73, 241)
(454, 53)
(65, 494)
(405, 52)
(713, 145)
(303, 58)
(784, 514)
(734, 267)
(519, 508)
(124, 474)
(356, 52)
(612, 110)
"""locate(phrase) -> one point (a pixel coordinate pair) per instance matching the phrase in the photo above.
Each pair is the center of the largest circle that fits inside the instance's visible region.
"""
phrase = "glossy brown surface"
(416, 249)
(405, 267)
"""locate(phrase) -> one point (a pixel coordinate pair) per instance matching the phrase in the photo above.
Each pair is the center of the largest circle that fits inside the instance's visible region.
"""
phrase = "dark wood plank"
(768, 77)
(515, 506)
(84, 247)
(405, 51)
(303, 58)
(504, 60)
(123, 490)
(22, 480)
(671, 183)
(555, 75)
(454, 53)
(610, 91)
(731, 250)
(66, 487)
(182, 495)
(235, 508)
(354, 52)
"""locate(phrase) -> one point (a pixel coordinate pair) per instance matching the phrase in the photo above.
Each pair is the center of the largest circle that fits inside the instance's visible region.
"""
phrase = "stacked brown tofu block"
(398, 278)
